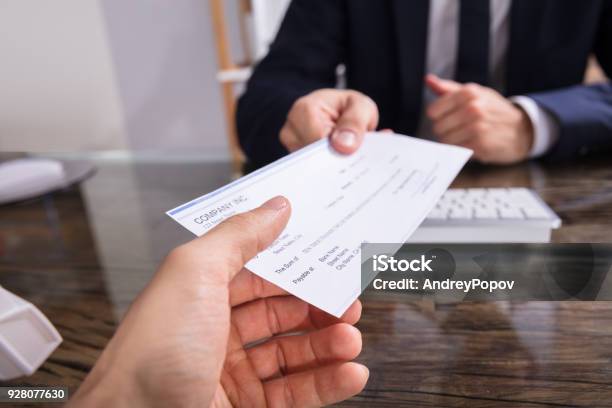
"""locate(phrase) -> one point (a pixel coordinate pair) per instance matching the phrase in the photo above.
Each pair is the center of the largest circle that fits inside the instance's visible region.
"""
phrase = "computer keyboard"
(492, 205)
(488, 215)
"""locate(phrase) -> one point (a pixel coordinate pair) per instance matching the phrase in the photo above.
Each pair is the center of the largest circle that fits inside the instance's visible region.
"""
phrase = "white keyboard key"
(459, 213)
(519, 192)
(498, 192)
(481, 213)
(443, 207)
(489, 201)
(509, 213)
(454, 193)
(521, 196)
(535, 212)
(437, 214)
(476, 192)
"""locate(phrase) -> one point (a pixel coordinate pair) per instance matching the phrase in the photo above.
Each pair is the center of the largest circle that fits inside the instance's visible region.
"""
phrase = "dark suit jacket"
(383, 45)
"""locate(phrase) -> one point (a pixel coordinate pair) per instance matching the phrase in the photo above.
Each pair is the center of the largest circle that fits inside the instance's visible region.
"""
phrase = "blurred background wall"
(109, 75)
(58, 88)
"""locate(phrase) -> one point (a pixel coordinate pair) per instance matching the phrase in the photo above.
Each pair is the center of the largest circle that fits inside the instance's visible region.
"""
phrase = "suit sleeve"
(304, 56)
(584, 112)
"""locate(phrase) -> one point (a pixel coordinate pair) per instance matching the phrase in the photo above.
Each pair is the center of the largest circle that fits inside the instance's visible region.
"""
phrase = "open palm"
(283, 352)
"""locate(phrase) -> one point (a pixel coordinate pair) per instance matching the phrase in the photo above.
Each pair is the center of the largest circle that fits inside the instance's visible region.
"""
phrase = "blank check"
(379, 194)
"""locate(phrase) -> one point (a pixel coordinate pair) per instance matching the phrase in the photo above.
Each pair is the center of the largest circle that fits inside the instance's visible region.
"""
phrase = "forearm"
(584, 115)
(260, 115)
(304, 56)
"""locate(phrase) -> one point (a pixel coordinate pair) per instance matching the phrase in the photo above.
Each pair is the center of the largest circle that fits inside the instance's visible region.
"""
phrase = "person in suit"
(502, 77)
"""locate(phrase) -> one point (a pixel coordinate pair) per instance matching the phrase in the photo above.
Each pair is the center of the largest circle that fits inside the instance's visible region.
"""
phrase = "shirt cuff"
(545, 126)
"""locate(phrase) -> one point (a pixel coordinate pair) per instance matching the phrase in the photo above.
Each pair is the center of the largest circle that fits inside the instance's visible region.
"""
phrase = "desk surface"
(82, 255)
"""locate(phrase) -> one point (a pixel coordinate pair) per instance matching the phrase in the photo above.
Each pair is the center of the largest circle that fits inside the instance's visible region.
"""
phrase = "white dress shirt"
(442, 49)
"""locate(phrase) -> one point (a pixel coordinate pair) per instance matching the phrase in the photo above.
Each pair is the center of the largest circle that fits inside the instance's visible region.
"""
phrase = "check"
(379, 194)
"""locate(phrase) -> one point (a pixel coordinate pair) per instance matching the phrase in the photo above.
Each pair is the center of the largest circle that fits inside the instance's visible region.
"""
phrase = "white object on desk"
(27, 338)
(26, 178)
(491, 215)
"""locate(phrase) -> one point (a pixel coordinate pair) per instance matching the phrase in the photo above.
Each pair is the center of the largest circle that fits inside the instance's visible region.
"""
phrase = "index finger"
(447, 104)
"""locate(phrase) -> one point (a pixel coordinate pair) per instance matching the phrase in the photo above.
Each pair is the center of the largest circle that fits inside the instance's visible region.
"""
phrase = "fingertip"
(353, 313)
(346, 141)
(433, 81)
(277, 203)
(365, 371)
(355, 377)
(347, 341)
(279, 211)
(440, 86)
(431, 78)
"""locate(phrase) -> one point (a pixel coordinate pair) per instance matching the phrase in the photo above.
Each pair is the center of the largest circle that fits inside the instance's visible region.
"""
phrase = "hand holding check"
(346, 115)
(200, 315)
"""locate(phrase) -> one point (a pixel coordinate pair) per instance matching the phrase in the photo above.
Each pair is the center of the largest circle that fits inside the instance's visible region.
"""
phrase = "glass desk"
(82, 255)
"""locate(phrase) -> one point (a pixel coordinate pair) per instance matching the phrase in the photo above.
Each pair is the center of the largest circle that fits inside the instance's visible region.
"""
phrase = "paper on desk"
(379, 194)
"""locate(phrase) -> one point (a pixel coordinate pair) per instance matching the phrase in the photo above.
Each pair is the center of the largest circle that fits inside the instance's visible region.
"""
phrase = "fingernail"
(365, 370)
(276, 203)
(345, 138)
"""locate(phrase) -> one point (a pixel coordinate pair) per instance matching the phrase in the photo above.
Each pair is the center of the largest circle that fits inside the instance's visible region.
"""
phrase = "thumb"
(359, 115)
(441, 86)
(241, 237)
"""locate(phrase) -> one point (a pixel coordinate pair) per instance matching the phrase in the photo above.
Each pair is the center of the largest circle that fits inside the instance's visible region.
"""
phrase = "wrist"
(107, 385)
(103, 392)
(525, 132)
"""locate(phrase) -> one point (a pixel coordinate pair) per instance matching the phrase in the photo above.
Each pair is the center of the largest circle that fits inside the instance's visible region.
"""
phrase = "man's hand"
(207, 332)
(481, 119)
(344, 114)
